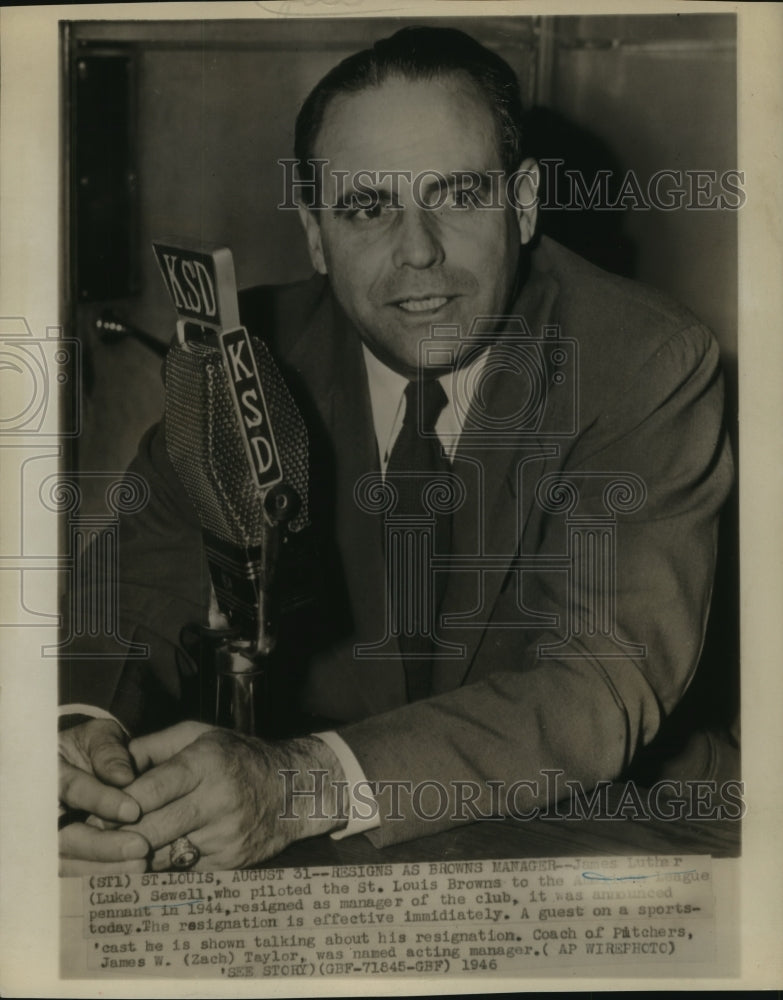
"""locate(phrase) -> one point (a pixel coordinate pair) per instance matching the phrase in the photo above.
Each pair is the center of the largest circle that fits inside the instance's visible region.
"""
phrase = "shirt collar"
(387, 388)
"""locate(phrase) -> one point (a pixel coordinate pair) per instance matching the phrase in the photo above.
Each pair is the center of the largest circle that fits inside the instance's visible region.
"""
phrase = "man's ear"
(312, 230)
(525, 198)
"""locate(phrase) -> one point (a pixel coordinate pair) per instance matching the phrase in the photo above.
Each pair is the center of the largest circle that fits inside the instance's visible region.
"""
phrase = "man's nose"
(417, 243)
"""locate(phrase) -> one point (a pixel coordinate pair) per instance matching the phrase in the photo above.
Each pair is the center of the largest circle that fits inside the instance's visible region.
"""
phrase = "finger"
(213, 840)
(177, 819)
(161, 860)
(80, 790)
(100, 824)
(158, 747)
(78, 866)
(82, 842)
(165, 783)
(220, 847)
(109, 756)
(213, 856)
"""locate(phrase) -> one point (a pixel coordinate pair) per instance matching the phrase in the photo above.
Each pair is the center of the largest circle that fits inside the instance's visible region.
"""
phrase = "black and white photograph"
(382, 460)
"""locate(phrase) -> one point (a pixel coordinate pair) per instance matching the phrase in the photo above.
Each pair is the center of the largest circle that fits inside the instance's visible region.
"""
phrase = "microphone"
(239, 446)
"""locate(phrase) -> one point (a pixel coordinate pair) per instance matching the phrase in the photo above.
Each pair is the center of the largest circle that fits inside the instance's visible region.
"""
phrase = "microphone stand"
(241, 654)
(249, 493)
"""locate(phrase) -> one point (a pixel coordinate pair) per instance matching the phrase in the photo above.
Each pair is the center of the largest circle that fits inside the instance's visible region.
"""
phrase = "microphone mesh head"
(207, 449)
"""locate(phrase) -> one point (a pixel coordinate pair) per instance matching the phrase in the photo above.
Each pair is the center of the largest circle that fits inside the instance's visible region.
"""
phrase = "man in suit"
(580, 410)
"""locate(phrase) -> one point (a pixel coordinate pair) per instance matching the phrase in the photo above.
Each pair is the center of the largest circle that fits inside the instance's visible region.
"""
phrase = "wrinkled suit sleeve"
(584, 715)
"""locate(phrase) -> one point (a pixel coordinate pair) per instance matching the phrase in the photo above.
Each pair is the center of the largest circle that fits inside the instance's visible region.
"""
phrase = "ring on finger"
(183, 853)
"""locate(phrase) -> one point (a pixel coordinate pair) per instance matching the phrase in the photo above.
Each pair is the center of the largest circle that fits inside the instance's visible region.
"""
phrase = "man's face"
(401, 265)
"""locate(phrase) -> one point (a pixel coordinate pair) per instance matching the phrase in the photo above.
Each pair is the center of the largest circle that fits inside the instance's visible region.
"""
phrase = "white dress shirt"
(387, 400)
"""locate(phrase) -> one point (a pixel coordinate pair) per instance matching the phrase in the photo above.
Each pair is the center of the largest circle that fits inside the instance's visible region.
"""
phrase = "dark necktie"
(416, 459)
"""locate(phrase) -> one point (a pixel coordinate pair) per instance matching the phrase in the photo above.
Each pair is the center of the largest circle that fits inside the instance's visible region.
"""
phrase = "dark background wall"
(194, 128)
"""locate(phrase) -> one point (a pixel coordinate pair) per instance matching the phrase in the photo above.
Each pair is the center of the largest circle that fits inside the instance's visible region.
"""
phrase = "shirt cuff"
(91, 711)
(362, 809)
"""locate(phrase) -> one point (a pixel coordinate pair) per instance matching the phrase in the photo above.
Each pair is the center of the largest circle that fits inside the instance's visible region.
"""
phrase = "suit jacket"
(636, 401)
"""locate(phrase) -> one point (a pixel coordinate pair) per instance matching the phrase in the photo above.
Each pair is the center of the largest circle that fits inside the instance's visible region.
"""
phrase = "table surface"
(534, 838)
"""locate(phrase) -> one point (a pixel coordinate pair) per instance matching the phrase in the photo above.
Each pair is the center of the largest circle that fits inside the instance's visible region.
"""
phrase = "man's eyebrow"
(384, 190)
(449, 181)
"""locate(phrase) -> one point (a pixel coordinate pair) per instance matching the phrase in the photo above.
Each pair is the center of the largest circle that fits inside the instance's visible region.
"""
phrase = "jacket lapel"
(492, 520)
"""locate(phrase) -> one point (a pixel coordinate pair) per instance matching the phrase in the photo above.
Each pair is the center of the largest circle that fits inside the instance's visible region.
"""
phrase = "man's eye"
(377, 210)
(373, 212)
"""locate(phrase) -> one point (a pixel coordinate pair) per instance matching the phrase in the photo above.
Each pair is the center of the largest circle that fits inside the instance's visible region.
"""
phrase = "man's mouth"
(423, 305)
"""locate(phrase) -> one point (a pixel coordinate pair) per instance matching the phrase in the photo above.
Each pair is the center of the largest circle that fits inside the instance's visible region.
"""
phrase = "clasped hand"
(221, 789)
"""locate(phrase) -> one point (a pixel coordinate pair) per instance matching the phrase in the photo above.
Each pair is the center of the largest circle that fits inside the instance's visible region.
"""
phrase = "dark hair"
(419, 53)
